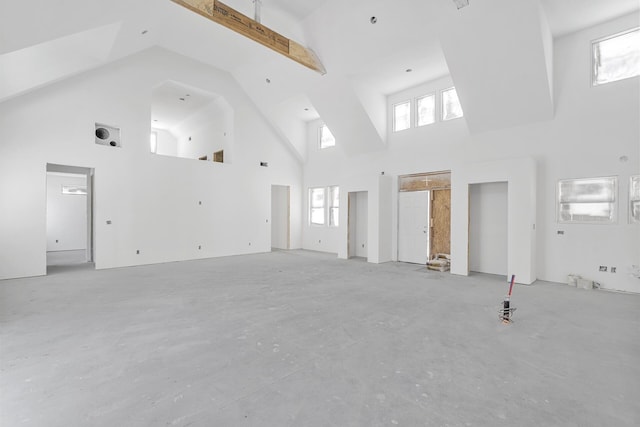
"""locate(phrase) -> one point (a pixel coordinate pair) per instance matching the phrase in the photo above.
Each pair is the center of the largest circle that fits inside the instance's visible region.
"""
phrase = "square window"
(616, 58)
(426, 107)
(587, 200)
(402, 116)
(451, 108)
(326, 138)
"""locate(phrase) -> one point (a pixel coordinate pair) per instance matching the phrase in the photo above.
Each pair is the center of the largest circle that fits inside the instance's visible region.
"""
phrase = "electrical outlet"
(138, 252)
(363, 245)
(613, 269)
(199, 247)
(560, 232)
(603, 268)
(56, 240)
(319, 241)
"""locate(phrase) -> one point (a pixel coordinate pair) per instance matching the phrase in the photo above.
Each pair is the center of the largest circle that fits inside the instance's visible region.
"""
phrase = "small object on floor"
(439, 262)
(506, 313)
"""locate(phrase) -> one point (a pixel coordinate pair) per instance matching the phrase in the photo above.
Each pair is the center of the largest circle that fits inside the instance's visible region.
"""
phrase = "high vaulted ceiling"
(45, 41)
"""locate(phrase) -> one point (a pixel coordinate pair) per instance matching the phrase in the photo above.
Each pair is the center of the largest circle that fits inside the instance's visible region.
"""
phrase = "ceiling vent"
(107, 135)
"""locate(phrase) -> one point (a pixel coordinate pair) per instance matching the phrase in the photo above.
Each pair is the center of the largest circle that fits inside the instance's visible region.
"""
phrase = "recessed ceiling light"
(188, 94)
(408, 70)
(155, 120)
(143, 32)
(373, 19)
(181, 99)
(306, 109)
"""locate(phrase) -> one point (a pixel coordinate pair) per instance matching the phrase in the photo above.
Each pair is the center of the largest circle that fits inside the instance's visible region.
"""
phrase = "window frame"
(442, 109)
(331, 207)
(435, 109)
(320, 134)
(633, 201)
(594, 82)
(614, 203)
(393, 115)
(312, 206)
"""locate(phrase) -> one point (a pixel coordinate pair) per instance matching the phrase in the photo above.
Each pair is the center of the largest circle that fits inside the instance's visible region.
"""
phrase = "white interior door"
(413, 227)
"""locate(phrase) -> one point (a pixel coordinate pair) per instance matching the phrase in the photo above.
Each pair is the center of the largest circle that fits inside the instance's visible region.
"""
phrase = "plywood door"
(413, 227)
(441, 221)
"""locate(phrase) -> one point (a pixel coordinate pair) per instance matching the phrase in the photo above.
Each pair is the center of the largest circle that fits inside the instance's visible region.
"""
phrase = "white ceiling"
(57, 35)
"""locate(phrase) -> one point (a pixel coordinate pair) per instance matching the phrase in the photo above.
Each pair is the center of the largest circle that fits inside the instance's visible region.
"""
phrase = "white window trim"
(615, 202)
(320, 147)
(393, 114)
(441, 101)
(324, 207)
(592, 56)
(435, 109)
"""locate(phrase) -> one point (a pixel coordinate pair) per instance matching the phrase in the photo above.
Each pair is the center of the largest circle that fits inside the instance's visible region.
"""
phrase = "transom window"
(451, 108)
(326, 137)
(616, 58)
(426, 107)
(587, 200)
(402, 116)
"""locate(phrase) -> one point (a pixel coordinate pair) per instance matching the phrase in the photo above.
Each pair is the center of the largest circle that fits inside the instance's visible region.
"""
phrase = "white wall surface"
(488, 228)
(153, 202)
(167, 143)
(592, 128)
(205, 132)
(279, 217)
(66, 214)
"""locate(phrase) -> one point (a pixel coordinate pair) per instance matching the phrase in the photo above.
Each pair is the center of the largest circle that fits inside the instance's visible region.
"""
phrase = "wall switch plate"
(108, 222)
(603, 268)
(138, 252)
(613, 269)
(560, 232)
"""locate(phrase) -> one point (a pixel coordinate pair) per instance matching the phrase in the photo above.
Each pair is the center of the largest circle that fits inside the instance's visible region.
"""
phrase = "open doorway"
(488, 228)
(424, 218)
(358, 224)
(69, 217)
(280, 217)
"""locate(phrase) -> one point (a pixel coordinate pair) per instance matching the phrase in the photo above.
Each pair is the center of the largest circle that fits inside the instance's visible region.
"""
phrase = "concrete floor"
(303, 339)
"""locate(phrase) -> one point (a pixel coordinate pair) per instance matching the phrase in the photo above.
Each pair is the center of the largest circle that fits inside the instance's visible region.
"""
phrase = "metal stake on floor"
(507, 311)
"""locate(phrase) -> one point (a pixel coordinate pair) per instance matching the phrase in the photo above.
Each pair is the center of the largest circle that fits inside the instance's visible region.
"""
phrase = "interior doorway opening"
(424, 218)
(358, 223)
(488, 219)
(69, 217)
(280, 217)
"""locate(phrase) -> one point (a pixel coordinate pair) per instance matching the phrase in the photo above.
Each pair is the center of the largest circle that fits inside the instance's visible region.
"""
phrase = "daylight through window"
(326, 137)
(616, 58)
(426, 107)
(316, 206)
(402, 116)
(451, 108)
(587, 200)
(334, 206)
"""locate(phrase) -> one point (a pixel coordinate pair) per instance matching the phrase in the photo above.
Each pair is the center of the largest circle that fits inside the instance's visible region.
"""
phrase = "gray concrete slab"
(304, 339)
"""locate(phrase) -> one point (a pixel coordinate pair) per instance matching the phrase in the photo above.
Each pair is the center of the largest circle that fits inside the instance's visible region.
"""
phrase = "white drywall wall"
(279, 217)
(66, 214)
(153, 202)
(591, 129)
(488, 228)
(167, 143)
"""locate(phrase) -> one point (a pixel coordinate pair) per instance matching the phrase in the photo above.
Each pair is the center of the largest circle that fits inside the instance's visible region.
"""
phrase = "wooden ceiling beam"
(224, 15)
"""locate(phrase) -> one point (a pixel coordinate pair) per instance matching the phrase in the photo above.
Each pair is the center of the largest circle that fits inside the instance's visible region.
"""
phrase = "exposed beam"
(242, 24)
